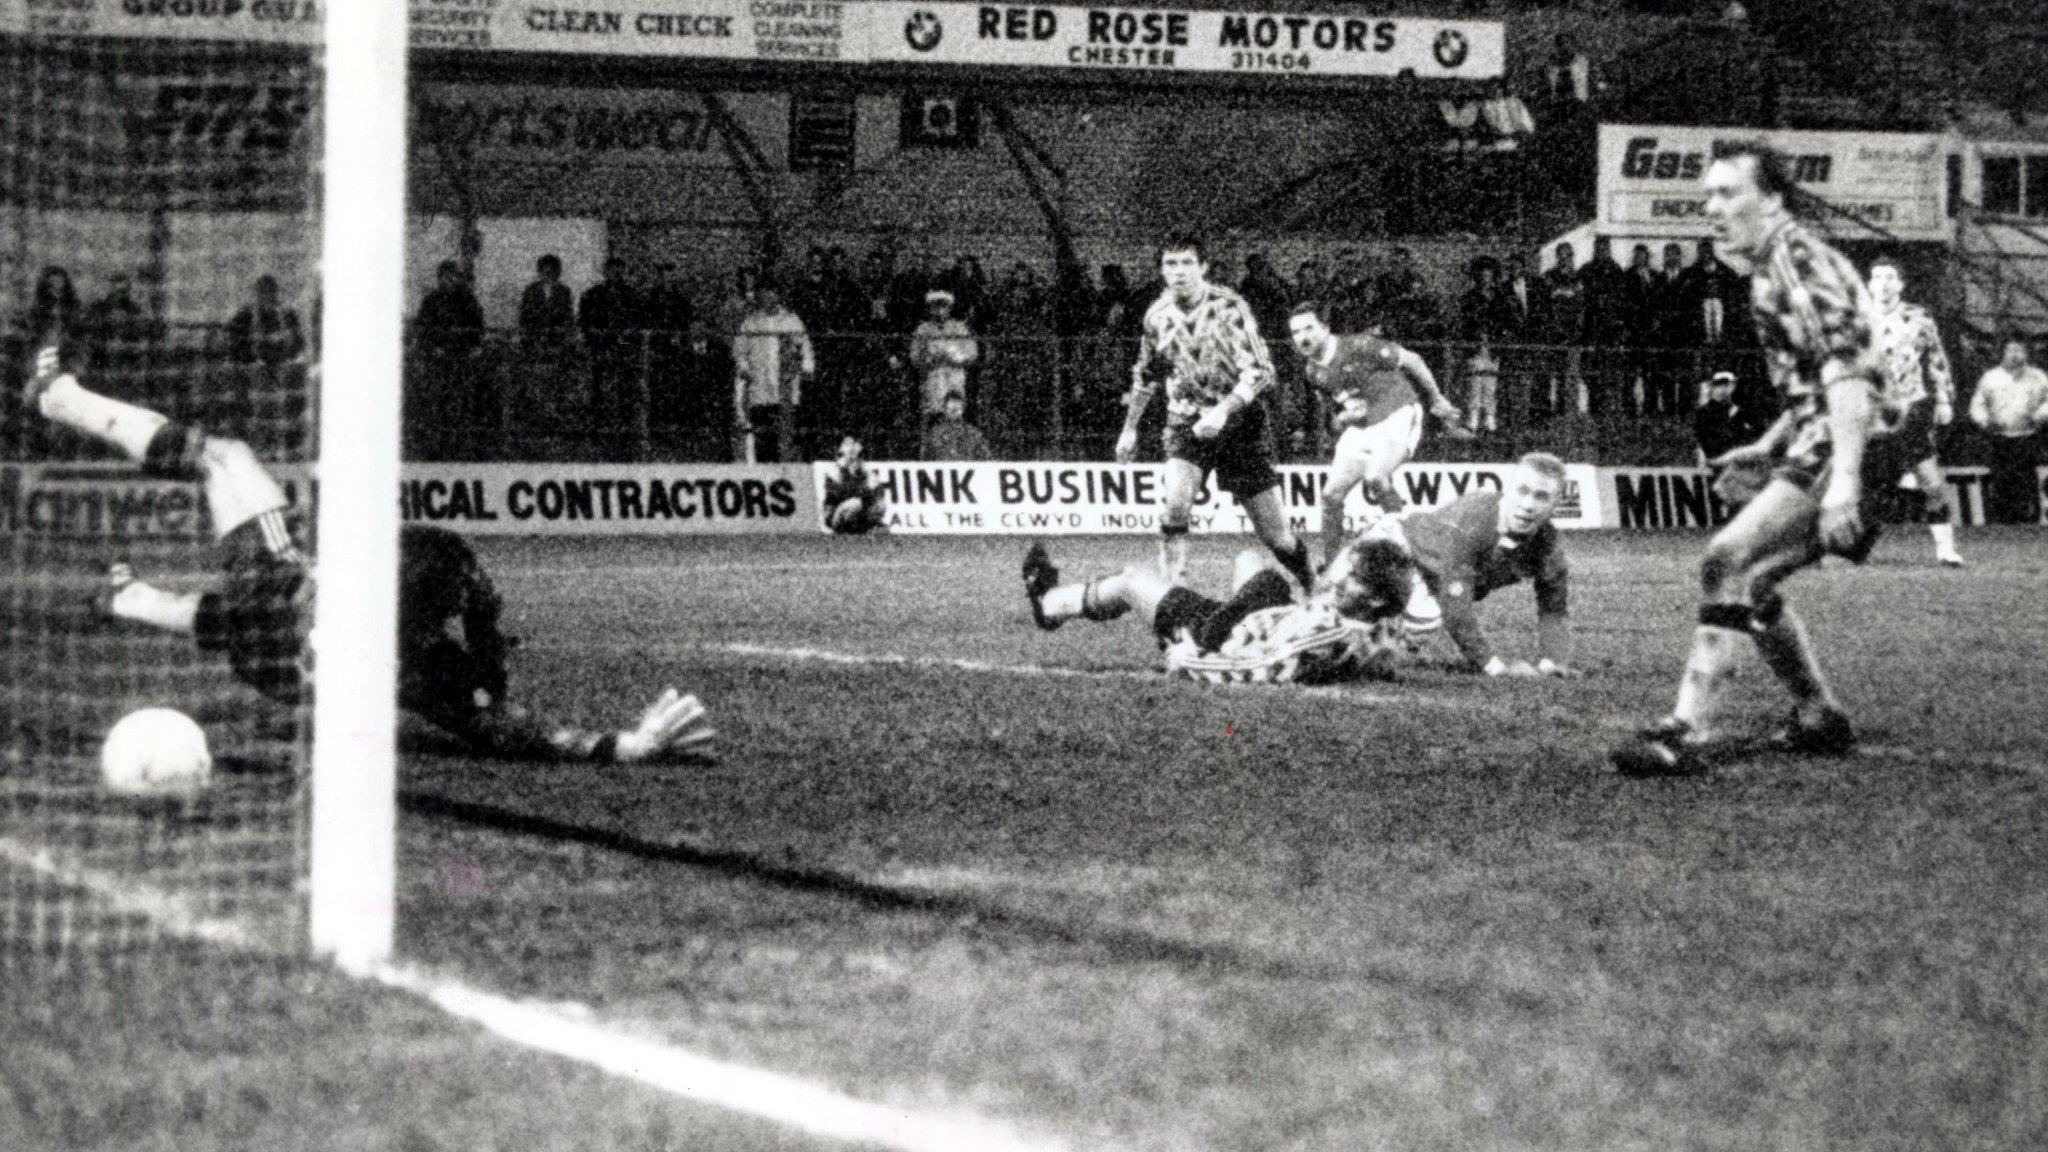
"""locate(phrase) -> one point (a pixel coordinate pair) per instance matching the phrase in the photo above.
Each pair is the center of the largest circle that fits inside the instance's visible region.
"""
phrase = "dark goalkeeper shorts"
(1210, 620)
(1916, 434)
(1241, 455)
(260, 617)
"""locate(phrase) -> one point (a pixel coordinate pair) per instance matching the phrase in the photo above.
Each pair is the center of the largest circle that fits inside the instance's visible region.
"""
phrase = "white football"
(155, 752)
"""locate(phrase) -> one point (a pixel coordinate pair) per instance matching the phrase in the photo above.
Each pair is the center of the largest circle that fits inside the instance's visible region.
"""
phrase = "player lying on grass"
(1480, 543)
(1261, 633)
(451, 653)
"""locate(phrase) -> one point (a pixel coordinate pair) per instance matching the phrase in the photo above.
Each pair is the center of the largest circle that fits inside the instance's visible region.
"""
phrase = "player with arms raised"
(451, 654)
(1482, 542)
(1201, 341)
(1919, 384)
(1831, 456)
(1261, 634)
(1371, 386)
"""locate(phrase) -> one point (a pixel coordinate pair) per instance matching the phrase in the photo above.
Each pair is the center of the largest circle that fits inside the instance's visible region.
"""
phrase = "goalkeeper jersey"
(1915, 366)
(1209, 347)
(1306, 643)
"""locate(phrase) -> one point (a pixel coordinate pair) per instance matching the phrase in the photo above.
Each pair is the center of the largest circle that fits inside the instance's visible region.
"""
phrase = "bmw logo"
(923, 30)
(1451, 48)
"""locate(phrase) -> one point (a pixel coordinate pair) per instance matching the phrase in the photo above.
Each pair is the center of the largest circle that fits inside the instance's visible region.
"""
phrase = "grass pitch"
(952, 863)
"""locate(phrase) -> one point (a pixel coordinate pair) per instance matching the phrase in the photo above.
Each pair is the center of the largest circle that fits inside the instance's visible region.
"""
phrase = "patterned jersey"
(1810, 307)
(1209, 349)
(1306, 643)
(1915, 366)
(1363, 378)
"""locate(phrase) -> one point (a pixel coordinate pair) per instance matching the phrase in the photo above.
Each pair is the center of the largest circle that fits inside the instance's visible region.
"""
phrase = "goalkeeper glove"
(673, 724)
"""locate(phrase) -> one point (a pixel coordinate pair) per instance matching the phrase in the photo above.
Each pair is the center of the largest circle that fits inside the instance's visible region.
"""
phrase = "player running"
(1371, 384)
(1482, 542)
(1919, 384)
(1201, 340)
(1832, 457)
(451, 653)
(1261, 633)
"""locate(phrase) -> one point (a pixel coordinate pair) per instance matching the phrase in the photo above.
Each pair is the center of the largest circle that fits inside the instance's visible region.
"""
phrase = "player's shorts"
(260, 617)
(1240, 455)
(1917, 431)
(1210, 620)
(1376, 449)
(1886, 460)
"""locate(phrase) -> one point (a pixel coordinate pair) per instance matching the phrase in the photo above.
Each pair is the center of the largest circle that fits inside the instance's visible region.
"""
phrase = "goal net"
(159, 223)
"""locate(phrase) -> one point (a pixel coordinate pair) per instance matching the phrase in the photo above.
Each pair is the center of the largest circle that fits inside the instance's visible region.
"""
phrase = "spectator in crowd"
(1670, 334)
(1351, 294)
(2011, 406)
(1482, 387)
(666, 315)
(854, 506)
(1407, 309)
(1558, 329)
(773, 357)
(264, 331)
(1267, 293)
(697, 409)
(609, 315)
(1568, 77)
(1311, 281)
(737, 303)
(1604, 327)
(908, 292)
(970, 288)
(1721, 422)
(1482, 311)
(1639, 310)
(1522, 300)
(877, 274)
(116, 328)
(448, 334)
(547, 312)
(1022, 365)
(53, 313)
(1715, 297)
(941, 350)
(951, 437)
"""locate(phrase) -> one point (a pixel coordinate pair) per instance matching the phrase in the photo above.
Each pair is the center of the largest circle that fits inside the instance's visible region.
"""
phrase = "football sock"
(1173, 553)
(123, 425)
(1064, 601)
(1715, 649)
(148, 604)
(1334, 537)
(1782, 641)
(1297, 563)
(1944, 538)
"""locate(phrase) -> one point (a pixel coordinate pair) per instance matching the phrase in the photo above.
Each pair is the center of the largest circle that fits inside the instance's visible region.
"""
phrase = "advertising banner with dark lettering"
(825, 30)
(1092, 499)
(113, 502)
(543, 124)
(610, 499)
(1179, 40)
(268, 21)
(1894, 182)
(1684, 497)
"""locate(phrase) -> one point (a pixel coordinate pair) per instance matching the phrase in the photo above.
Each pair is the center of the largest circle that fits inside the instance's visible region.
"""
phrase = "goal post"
(353, 832)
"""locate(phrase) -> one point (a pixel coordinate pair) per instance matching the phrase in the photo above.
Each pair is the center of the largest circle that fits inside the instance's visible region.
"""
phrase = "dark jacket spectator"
(1717, 298)
(53, 315)
(547, 311)
(1604, 287)
(853, 504)
(450, 322)
(951, 437)
(265, 332)
(1720, 422)
(116, 328)
(1564, 301)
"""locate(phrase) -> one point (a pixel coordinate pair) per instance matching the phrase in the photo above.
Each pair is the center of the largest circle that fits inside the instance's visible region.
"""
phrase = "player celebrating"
(1260, 633)
(1831, 455)
(1480, 543)
(1201, 339)
(1918, 383)
(1372, 384)
(259, 615)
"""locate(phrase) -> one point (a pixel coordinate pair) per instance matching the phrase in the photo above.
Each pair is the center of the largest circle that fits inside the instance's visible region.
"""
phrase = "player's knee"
(176, 452)
(1719, 567)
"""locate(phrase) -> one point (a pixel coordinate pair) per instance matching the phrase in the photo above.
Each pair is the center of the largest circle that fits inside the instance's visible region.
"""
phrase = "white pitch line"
(787, 1100)
(511, 573)
(771, 1096)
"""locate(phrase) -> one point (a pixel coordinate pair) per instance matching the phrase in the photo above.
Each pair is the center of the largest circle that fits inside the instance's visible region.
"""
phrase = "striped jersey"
(1209, 347)
(1810, 307)
(1363, 372)
(1915, 366)
(1305, 643)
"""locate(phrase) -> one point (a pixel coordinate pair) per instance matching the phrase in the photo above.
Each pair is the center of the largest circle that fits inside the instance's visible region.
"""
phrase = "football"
(155, 752)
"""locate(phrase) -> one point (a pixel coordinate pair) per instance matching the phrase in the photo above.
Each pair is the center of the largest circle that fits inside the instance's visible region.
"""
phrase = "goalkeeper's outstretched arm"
(674, 726)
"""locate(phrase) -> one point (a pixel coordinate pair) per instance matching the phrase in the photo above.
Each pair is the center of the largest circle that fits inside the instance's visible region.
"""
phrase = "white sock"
(1173, 558)
(123, 425)
(1944, 538)
(148, 604)
(1063, 602)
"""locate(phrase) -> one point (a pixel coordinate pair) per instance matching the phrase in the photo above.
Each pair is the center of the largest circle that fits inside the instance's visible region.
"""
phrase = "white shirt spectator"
(2011, 402)
(943, 349)
(773, 354)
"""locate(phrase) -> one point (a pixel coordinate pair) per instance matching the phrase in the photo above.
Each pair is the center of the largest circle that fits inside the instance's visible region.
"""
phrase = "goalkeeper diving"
(451, 652)
(1343, 630)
